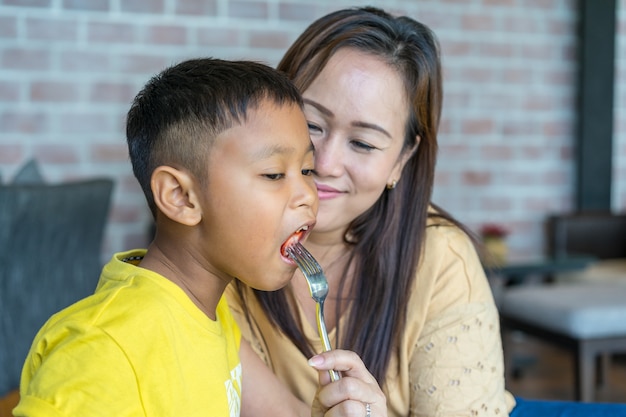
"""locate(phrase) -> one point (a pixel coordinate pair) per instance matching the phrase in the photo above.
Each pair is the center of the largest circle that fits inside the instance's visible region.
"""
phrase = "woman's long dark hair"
(387, 239)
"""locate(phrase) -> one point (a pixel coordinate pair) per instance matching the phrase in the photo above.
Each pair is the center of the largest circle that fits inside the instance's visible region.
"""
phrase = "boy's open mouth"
(293, 239)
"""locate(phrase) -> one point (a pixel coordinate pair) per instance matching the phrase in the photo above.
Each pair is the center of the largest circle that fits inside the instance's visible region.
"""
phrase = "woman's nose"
(328, 157)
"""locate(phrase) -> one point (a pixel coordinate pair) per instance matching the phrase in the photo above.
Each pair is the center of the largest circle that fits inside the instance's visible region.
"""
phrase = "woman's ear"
(396, 172)
(175, 195)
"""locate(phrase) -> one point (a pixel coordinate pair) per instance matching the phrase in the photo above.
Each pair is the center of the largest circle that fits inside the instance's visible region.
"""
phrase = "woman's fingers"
(350, 395)
(345, 361)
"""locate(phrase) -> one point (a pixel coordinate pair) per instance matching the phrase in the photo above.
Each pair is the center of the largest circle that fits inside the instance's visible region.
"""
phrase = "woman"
(407, 290)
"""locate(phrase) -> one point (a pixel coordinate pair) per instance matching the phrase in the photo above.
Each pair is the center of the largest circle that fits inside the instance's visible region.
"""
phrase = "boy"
(222, 152)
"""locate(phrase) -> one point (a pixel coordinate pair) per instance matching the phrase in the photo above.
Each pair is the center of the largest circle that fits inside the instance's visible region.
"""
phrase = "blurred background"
(70, 68)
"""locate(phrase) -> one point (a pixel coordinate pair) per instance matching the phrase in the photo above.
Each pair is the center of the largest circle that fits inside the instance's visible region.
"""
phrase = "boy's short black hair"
(175, 117)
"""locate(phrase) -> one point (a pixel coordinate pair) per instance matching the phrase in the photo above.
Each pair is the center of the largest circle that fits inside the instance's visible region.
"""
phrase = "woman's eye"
(308, 172)
(314, 128)
(274, 177)
(363, 146)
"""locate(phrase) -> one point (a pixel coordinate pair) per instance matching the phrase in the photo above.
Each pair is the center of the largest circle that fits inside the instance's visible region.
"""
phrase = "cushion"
(28, 174)
(580, 310)
(50, 256)
(545, 408)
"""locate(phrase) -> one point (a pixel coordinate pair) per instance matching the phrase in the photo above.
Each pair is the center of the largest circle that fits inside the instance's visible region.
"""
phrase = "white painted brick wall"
(68, 74)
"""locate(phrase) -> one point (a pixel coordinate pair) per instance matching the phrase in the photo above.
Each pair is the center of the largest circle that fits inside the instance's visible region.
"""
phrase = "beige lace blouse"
(449, 362)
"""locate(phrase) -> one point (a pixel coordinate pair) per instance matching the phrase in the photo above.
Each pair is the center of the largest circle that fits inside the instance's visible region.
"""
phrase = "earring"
(392, 185)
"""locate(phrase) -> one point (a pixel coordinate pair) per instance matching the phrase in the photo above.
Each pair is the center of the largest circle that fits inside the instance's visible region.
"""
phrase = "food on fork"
(293, 239)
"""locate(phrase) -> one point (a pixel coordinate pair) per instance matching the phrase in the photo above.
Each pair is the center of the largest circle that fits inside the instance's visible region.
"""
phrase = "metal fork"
(318, 286)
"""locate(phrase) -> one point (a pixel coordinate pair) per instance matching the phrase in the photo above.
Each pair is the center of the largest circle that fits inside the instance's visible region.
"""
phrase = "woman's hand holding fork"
(357, 393)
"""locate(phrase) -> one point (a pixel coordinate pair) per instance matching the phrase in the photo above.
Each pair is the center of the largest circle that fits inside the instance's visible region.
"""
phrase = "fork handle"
(321, 327)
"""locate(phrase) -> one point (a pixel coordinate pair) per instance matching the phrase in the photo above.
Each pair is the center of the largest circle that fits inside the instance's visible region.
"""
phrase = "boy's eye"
(274, 177)
(308, 172)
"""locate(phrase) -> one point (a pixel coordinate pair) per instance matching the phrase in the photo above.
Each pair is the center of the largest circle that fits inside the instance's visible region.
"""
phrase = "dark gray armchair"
(50, 256)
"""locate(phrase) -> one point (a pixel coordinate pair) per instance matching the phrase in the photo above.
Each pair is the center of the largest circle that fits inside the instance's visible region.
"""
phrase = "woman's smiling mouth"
(325, 192)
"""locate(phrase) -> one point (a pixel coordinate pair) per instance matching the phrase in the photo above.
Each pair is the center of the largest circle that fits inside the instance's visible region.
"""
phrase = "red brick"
(109, 152)
(79, 61)
(9, 91)
(23, 122)
(196, 8)
(477, 126)
(555, 178)
(27, 3)
(496, 203)
(445, 126)
(143, 64)
(296, 11)
(142, 6)
(50, 91)
(167, 34)
(477, 22)
(57, 154)
(562, 77)
(476, 178)
(531, 152)
(248, 9)
(128, 184)
(91, 5)
(25, 59)
(535, 102)
(540, 52)
(269, 39)
(539, 4)
(124, 214)
(456, 48)
(8, 27)
(537, 204)
(112, 92)
(455, 151)
(517, 76)
(566, 153)
(521, 24)
(497, 152)
(136, 240)
(84, 122)
(457, 99)
(10, 153)
(475, 74)
(489, 3)
(513, 128)
(111, 32)
(558, 128)
(442, 178)
(219, 37)
(51, 30)
(495, 50)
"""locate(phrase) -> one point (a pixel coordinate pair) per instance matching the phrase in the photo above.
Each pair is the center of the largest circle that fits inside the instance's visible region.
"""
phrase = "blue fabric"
(549, 408)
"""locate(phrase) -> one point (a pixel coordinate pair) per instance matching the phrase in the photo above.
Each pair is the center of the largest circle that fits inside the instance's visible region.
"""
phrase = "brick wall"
(69, 69)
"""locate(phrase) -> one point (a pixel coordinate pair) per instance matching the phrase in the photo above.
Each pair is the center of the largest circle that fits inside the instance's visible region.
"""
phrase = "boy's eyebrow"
(326, 112)
(269, 151)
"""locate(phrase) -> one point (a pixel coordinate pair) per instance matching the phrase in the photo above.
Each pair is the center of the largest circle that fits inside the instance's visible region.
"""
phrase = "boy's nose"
(309, 193)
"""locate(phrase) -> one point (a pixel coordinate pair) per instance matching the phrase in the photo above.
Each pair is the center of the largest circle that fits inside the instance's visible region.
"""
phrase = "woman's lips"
(324, 192)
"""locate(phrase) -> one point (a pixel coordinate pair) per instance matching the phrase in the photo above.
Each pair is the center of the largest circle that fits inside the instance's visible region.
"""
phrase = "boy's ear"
(175, 195)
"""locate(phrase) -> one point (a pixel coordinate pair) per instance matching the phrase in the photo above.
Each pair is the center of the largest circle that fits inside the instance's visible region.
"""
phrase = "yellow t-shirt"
(449, 360)
(137, 347)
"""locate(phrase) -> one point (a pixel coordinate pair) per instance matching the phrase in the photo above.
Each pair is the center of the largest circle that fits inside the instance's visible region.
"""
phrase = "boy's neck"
(203, 288)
